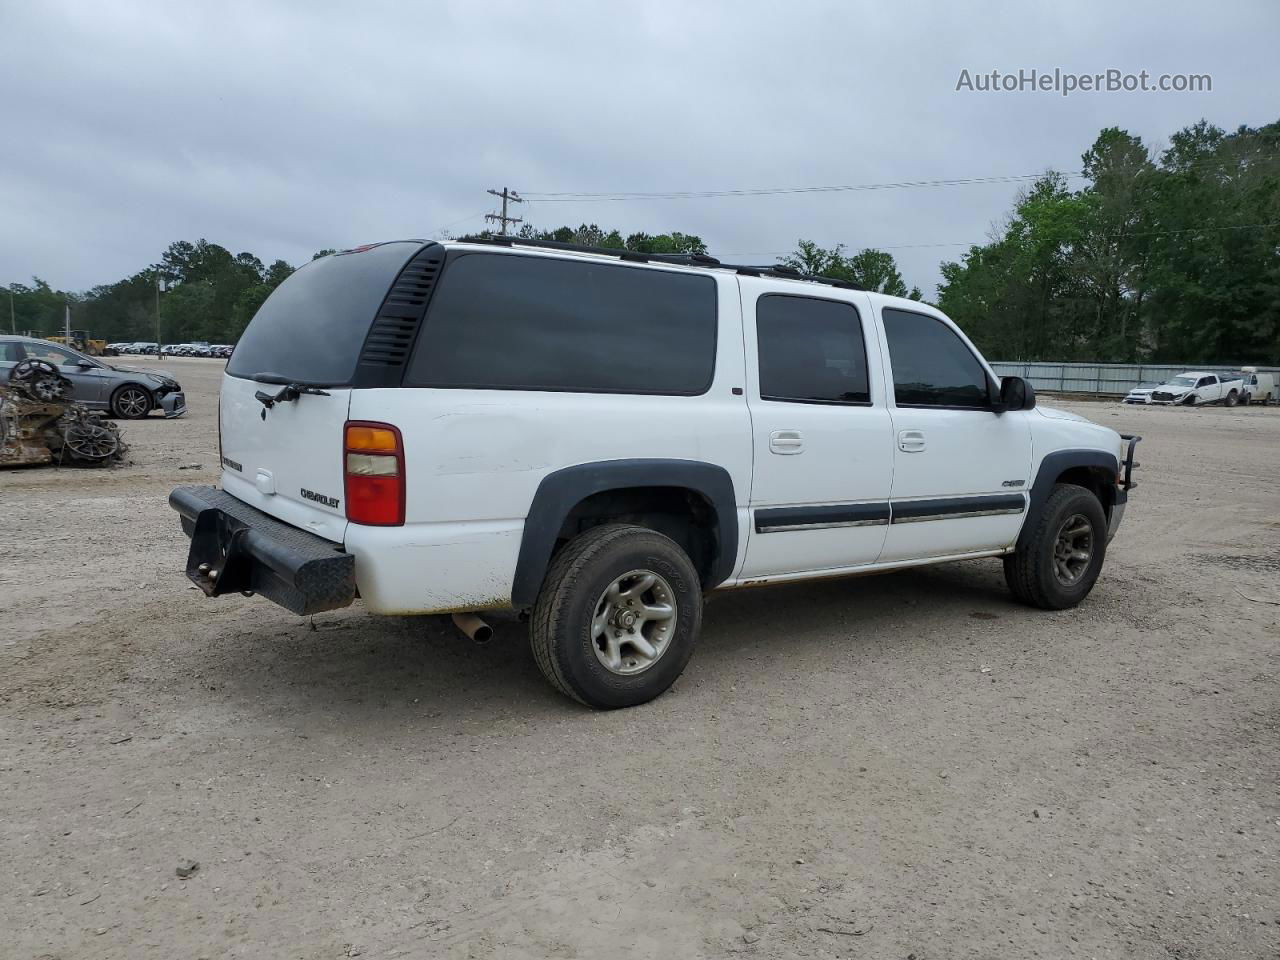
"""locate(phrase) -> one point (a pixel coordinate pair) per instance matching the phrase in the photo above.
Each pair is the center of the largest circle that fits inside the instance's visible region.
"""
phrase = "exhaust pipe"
(475, 628)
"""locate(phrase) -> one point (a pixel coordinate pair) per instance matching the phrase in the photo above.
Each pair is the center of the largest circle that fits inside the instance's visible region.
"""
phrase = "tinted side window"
(1207, 381)
(10, 352)
(932, 367)
(811, 350)
(535, 323)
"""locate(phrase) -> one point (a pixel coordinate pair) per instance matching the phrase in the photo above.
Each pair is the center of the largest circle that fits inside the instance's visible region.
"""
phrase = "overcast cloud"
(282, 128)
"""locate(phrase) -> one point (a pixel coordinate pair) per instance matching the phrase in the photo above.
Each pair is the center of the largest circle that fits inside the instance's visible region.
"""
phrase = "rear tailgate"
(342, 321)
(288, 464)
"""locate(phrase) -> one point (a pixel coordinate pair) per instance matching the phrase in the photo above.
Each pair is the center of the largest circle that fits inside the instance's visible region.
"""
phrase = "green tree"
(870, 269)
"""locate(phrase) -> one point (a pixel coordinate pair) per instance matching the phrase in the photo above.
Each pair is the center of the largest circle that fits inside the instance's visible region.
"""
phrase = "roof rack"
(692, 259)
(688, 259)
(787, 273)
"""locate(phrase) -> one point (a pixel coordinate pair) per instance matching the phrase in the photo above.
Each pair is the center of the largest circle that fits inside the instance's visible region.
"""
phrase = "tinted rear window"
(535, 323)
(313, 325)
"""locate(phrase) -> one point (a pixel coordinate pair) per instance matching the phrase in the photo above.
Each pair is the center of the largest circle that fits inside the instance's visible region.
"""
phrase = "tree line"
(209, 294)
(1168, 256)
(1162, 256)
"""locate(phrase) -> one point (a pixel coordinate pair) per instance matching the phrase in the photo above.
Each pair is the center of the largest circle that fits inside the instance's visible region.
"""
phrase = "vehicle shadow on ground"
(368, 668)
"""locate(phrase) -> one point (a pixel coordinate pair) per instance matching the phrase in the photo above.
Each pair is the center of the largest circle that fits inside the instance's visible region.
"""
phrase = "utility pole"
(159, 348)
(502, 218)
(13, 322)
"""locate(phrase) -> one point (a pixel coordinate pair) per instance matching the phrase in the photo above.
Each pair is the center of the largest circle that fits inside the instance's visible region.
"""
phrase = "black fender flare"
(561, 491)
(1051, 468)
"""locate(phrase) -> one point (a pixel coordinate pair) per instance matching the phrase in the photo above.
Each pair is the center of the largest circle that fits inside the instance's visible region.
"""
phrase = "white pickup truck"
(1195, 389)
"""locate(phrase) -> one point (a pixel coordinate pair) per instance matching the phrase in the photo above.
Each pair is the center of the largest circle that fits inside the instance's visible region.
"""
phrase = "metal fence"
(1103, 378)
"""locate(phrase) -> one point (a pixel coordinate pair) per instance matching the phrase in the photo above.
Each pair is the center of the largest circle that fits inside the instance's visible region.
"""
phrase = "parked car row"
(195, 349)
(1195, 388)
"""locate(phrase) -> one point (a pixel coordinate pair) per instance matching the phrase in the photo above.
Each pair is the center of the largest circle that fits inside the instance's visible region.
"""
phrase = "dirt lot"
(887, 767)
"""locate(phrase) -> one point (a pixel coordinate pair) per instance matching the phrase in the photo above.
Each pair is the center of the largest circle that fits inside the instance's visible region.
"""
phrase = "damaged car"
(123, 392)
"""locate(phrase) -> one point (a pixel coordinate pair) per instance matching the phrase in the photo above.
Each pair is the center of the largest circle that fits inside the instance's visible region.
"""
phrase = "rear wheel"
(1064, 552)
(617, 617)
(1232, 398)
(131, 402)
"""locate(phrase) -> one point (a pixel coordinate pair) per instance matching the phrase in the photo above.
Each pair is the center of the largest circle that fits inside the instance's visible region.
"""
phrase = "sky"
(282, 128)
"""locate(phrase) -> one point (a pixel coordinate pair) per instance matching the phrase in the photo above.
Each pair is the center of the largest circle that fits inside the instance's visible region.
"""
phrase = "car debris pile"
(39, 424)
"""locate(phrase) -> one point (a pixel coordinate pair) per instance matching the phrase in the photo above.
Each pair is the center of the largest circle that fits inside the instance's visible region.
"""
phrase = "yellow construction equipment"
(80, 340)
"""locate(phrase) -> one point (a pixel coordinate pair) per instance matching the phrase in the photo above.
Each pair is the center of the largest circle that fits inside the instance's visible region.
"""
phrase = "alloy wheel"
(133, 402)
(1072, 549)
(633, 622)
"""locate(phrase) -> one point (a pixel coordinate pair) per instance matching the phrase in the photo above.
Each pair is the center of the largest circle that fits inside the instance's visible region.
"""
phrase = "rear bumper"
(238, 548)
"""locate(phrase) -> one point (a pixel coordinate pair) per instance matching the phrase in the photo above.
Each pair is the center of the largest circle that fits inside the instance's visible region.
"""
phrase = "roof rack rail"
(787, 273)
(778, 270)
(690, 259)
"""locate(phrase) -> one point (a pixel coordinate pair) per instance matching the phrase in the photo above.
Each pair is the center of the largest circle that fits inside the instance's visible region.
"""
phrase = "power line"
(623, 195)
(474, 216)
(976, 243)
(771, 191)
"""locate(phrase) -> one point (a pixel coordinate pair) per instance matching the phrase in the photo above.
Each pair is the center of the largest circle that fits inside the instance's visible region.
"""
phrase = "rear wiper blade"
(268, 377)
(288, 393)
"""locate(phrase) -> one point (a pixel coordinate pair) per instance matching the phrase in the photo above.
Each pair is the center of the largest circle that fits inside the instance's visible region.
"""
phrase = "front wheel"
(1063, 554)
(617, 617)
(131, 402)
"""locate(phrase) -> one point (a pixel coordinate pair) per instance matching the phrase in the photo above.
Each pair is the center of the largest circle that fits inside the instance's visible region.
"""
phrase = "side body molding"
(1053, 466)
(564, 489)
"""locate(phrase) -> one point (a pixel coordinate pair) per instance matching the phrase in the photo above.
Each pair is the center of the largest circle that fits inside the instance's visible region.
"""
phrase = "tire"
(131, 402)
(574, 601)
(1034, 575)
(1232, 399)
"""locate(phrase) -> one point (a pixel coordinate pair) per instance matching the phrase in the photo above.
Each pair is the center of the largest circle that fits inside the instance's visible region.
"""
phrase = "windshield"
(1181, 382)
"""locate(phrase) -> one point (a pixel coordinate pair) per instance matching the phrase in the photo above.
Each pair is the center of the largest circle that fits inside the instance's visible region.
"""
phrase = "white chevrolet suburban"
(596, 438)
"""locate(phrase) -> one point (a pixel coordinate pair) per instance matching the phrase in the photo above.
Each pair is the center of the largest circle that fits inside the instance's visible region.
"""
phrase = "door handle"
(785, 442)
(911, 441)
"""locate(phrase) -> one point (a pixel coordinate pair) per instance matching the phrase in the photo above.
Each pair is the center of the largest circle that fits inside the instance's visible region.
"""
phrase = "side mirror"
(85, 364)
(1016, 394)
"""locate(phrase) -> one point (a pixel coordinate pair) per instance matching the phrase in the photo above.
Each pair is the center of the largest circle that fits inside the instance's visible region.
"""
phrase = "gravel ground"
(890, 767)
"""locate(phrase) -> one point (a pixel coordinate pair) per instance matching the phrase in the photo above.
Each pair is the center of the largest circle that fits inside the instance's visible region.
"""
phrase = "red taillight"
(373, 471)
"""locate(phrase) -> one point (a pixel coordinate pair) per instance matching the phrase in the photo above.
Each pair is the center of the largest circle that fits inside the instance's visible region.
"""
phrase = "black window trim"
(862, 332)
(454, 255)
(987, 408)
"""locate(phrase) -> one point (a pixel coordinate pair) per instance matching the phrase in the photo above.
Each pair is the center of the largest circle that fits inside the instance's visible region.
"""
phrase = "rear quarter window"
(510, 322)
(312, 327)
